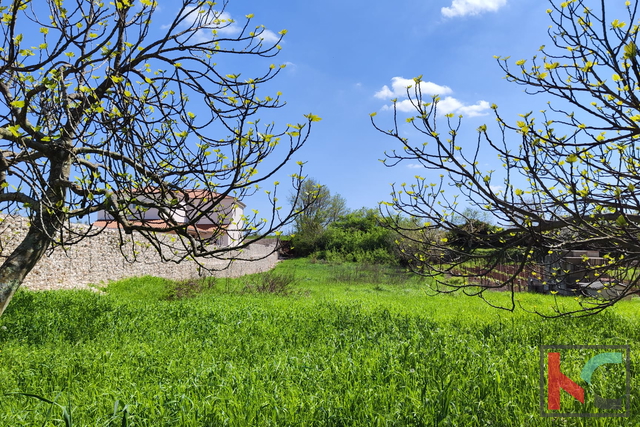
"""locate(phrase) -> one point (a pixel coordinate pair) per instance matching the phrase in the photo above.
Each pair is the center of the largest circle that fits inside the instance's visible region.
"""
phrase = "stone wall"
(99, 259)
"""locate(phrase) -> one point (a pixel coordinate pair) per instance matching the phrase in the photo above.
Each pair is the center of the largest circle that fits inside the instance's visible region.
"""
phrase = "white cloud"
(268, 36)
(446, 105)
(405, 106)
(479, 109)
(415, 166)
(429, 88)
(223, 23)
(399, 89)
(291, 67)
(384, 93)
(213, 18)
(226, 24)
(472, 7)
(449, 105)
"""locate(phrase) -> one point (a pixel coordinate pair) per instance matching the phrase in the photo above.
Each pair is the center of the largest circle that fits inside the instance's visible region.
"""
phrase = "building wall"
(228, 212)
(98, 260)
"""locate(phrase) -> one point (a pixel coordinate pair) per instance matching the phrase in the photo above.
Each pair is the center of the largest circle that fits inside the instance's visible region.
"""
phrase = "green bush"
(356, 237)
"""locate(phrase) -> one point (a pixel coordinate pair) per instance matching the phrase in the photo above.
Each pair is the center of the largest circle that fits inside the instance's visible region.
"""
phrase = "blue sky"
(346, 59)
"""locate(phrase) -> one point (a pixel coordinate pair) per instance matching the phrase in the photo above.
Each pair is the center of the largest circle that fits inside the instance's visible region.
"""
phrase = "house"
(227, 216)
(574, 273)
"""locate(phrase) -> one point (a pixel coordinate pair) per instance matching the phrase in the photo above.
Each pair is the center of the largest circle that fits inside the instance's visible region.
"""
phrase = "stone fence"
(99, 259)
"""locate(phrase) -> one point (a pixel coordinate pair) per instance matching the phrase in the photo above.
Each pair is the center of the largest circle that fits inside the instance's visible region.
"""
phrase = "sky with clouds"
(347, 59)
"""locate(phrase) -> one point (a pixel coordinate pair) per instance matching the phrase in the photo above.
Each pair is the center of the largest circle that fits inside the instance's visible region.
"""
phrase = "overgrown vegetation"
(359, 236)
(318, 208)
(189, 288)
(351, 351)
(358, 273)
(272, 282)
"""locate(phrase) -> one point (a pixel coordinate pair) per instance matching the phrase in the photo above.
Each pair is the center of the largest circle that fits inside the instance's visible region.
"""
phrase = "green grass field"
(311, 344)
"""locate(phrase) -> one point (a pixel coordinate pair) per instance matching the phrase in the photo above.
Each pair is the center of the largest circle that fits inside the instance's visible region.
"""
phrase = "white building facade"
(210, 214)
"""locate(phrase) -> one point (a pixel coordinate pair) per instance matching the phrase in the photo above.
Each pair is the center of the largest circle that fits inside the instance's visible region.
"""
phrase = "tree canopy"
(567, 178)
(317, 208)
(107, 107)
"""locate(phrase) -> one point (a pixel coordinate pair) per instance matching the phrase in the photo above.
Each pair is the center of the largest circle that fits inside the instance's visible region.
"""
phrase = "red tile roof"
(194, 194)
(161, 225)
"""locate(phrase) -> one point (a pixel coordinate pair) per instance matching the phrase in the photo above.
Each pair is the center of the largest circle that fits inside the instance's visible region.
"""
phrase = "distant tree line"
(326, 229)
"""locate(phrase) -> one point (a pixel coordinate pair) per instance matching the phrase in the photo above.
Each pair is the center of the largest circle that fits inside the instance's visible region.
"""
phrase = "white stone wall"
(98, 260)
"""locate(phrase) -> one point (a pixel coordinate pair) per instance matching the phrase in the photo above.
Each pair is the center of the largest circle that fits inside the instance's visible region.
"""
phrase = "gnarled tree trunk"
(45, 226)
(21, 261)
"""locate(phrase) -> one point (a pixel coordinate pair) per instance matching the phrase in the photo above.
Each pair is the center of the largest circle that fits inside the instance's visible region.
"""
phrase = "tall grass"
(333, 353)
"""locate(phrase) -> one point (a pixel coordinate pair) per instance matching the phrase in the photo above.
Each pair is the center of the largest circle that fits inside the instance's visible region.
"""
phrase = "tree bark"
(46, 224)
(20, 262)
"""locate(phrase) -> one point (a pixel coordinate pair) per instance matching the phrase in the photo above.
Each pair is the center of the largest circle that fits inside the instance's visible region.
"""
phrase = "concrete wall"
(99, 259)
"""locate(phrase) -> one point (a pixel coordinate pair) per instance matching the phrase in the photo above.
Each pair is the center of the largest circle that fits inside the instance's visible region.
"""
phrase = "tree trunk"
(46, 223)
(20, 262)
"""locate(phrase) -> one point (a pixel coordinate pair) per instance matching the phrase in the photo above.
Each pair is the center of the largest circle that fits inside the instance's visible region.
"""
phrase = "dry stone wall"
(99, 259)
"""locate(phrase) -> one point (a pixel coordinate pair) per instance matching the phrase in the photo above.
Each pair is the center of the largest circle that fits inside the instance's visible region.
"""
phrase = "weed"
(189, 288)
(115, 419)
(369, 273)
(277, 283)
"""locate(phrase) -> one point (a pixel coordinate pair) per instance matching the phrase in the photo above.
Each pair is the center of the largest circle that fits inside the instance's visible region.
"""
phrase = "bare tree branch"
(568, 181)
(113, 110)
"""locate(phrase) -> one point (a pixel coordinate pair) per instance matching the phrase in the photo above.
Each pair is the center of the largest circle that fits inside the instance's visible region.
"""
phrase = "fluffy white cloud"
(449, 105)
(224, 23)
(479, 109)
(405, 106)
(269, 36)
(446, 105)
(471, 7)
(384, 93)
(222, 20)
(399, 89)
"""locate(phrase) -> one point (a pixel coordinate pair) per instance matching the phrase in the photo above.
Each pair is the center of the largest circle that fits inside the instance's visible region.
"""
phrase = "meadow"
(310, 344)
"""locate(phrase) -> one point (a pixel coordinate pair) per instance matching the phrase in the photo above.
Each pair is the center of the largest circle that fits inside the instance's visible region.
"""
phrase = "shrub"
(189, 288)
(279, 283)
(358, 237)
